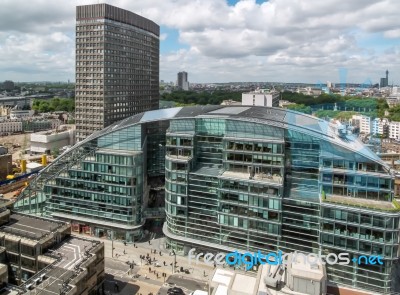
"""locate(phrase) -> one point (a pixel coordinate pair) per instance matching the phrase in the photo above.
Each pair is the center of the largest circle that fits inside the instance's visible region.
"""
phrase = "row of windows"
(268, 228)
(360, 246)
(361, 181)
(255, 147)
(357, 232)
(343, 164)
(361, 218)
(245, 200)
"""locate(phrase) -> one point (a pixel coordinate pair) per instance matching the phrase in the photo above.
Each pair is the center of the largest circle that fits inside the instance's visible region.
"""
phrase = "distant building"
(363, 123)
(117, 66)
(16, 114)
(10, 126)
(230, 102)
(46, 141)
(4, 111)
(35, 125)
(183, 83)
(5, 165)
(8, 85)
(394, 130)
(380, 127)
(310, 91)
(385, 81)
(261, 97)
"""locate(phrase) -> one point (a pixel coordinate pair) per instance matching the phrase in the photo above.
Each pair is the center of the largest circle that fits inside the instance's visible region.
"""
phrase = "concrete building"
(5, 165)
(46, 141)
(182, 81)
(4, 111)
(230, 102)
(295, 276)
(37, 253)
(261, 97)
(39, 124)
(10, 127)
(384, 81)
(117, 66)
(394, 130)
(243, 178)
(363, 123)
(380, 127)
(17, 114)
(8, 85)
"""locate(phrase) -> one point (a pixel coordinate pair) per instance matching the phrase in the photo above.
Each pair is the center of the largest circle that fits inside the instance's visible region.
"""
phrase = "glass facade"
(253, 180)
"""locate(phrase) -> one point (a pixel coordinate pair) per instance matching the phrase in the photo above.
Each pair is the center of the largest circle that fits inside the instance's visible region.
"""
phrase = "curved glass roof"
(278, 117)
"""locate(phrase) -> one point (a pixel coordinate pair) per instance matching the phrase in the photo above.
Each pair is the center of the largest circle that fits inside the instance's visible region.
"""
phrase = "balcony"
(270, 178)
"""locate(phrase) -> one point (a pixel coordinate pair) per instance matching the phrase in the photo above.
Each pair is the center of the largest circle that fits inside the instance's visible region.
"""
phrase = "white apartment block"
(394, 130)
(46, 141)
(379, 126)
(16, 114)
(7, 127)
(362, 122)
(261, 97)
(55, 123)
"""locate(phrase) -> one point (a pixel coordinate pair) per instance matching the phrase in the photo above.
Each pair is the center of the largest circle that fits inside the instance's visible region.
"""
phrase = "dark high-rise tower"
(117, 66)
(385, 81)
(183, 81)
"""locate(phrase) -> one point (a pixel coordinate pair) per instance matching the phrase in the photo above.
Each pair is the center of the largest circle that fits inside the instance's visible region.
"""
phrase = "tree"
(300, 108)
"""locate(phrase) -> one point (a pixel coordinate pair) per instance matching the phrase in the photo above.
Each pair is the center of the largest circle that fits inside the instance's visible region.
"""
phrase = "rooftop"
(29, 226)
(278, 117)
(359, 202)
(231, 282)
(56, 277)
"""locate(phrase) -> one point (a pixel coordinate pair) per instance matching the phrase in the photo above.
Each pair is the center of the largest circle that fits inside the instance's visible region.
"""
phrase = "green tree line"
(54, 104)
(201, 98)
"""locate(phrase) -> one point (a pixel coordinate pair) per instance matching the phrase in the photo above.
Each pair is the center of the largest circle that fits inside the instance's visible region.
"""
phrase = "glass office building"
(236, 178)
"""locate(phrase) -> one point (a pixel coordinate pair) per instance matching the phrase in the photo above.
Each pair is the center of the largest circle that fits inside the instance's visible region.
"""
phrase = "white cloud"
(163, 37)
(278, 40)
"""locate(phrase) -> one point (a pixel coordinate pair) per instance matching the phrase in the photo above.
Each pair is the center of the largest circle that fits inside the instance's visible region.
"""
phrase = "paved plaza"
(147, 278)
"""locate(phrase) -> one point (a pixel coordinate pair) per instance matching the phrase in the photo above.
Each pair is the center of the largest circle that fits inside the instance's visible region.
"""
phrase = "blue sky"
(220, 40)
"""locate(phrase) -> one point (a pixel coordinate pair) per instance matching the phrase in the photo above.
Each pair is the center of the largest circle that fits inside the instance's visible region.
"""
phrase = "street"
(147, 278)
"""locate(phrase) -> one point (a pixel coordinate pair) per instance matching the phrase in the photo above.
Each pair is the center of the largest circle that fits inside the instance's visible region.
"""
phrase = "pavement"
(146, 278)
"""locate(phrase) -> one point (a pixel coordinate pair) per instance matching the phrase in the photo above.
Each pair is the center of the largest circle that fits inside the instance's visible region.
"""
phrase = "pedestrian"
(149, 269)
(134, 245)
(149, 243)
(124, 243)
(164, 263)
(124, 251)
(204, 273)
(157, 275)
(116, 287)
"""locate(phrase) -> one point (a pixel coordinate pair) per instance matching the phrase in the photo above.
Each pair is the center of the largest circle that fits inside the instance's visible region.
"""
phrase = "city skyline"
(220, 41)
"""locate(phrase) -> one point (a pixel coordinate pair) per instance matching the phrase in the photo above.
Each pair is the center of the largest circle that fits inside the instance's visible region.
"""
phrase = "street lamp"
(173, 264)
